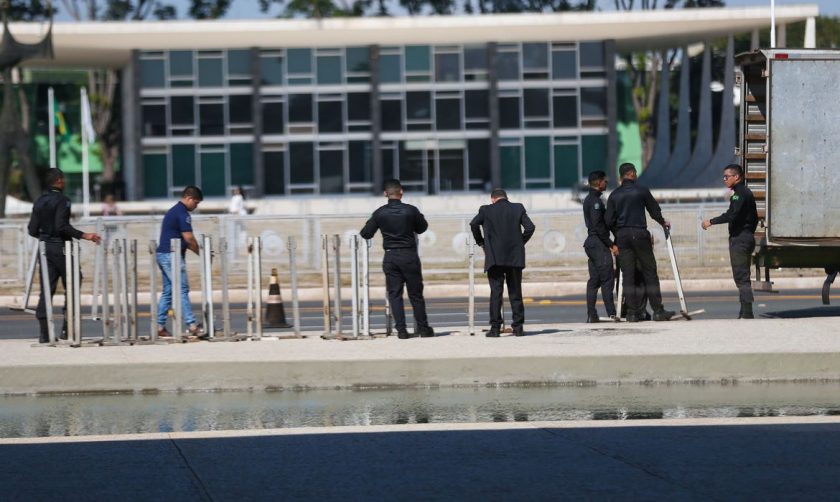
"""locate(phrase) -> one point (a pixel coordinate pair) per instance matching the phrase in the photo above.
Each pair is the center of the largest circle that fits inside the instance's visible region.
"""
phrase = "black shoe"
(493, 333)
(663, 315)
(646, 316)
(592, 318)
(633, 318)
(746, 311)
(427, 332)
(518, 331)
(402, 334)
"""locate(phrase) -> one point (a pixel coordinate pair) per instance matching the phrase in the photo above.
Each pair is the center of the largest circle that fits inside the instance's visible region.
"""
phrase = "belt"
(51, 239)
(400, 249)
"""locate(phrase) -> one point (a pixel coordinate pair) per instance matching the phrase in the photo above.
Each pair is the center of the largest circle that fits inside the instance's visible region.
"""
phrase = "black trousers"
(635, 249)
(56, 269)
(740, 257)
(402, 268)
(601, 276)
(497, 277)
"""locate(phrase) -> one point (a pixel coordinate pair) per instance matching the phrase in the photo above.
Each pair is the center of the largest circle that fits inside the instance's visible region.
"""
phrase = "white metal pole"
(31, 276)
(471, 275)
(366, 287)
(250, 306)
(210, 325)
(115, 286)
(258, 286)
(772, 24)
(51, 125)
(97, 264)
(223, 265)
(153, 306)
(337, 284)
(175, 274)
(69, 292)
(85, 155)
(354, 283)
(77, 288)
(106, 308)
(325, 282)
(45, 288)
(294, 284)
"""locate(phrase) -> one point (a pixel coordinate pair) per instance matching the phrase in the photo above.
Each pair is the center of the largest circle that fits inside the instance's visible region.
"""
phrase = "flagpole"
(51, 120)
(772, 24)
(85, 155)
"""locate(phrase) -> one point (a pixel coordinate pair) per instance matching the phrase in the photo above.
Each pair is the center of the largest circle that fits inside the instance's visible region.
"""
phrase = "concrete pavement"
(718, 459)
(676, 351)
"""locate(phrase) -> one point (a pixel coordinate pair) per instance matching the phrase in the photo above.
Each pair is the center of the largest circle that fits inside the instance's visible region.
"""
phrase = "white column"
(754, 41)
(782, 34)
(811, 33)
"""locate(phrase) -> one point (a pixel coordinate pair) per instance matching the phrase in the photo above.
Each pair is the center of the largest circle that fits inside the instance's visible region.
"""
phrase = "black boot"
(45, 332)
(746, 311)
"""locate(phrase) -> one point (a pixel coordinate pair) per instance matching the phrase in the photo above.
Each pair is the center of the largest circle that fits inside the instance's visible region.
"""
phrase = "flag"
(60, 123)
(87, 119)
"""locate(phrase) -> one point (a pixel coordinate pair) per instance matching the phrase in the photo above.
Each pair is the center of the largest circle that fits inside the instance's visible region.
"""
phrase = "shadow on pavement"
(802, 313)
(635, 462)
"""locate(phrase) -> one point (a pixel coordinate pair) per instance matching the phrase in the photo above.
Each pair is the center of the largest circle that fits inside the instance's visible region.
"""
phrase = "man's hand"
(667, 225)
(614, 250)
(706, 224)
(92, 237)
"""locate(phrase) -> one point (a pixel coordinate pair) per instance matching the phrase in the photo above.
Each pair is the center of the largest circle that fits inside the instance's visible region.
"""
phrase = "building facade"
(335, 120)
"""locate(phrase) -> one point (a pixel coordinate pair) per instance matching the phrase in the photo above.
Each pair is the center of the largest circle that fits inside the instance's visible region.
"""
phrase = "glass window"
(181, 64)
(271, 70)
(592, 54)
(210, 72)
(535, 102)
(240, 109)
(153, 73)
(358, 106)
(154, 120)
(593, 101)
(272, 117)
(300, 107)
(418, 58)
(475, 57)
(154, 175)
(509, 113)
(301, 163)
(239, 62)
(478, 151)
(535, 56)
(507, 65)
(476, 103)
(391, 115)
(357, 59)
(448, 114)
(274, 166)
(418, 105)
(565, 111)
(330, 116)
(213, 174)
(329, 70)
(360, 162)
(212, 119)
(331, 164)
(183, 110)
(299, 60)
(563, 65)
(537, 158)
(447, 67)
(511, 166)
(451, 167)
(389, 69)
(183, 165)
(241, 164)
(566, 166)
(414, 162)
(594, 153)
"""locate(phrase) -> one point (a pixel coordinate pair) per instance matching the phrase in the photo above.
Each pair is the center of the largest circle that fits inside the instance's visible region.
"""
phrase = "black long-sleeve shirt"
(742, 215)
(50, 220)
(399, 224)
(627, 204)
(593, 215)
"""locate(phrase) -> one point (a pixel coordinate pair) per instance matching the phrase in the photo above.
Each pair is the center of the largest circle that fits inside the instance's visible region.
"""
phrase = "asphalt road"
(453, 312)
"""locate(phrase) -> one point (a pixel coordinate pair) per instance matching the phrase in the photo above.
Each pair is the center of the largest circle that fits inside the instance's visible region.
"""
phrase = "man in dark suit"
(506, 230)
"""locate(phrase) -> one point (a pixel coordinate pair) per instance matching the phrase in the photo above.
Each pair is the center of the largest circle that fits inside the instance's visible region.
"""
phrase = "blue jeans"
(164, 261)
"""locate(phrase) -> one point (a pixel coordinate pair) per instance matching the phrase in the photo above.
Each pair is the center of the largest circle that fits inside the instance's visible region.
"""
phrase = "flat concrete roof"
(110, 43)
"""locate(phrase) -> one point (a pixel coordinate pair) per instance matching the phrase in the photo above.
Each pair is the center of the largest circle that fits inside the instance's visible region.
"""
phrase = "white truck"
(790, 151)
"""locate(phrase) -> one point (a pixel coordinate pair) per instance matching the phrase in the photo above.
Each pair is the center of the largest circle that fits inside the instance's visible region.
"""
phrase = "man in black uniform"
(400, 223)
(506, 230)
(742, 218)
(50, 223)
(626, 217)
(599, 249)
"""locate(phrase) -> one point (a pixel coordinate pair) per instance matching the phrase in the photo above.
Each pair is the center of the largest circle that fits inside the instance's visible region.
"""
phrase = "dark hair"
(625, 168)
(596, 176)
(53, 176)
(735, 167)
(392, 187)
(498, 193)
(193, 192)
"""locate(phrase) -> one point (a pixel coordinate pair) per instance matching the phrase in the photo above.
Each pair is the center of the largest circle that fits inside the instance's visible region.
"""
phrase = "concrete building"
(446, 104)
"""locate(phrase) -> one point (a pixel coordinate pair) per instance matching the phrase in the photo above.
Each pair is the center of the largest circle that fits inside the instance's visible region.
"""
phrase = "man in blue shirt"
(177, 224)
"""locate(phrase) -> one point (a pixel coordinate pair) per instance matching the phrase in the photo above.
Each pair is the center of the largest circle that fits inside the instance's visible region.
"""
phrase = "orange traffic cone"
(275, 313)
